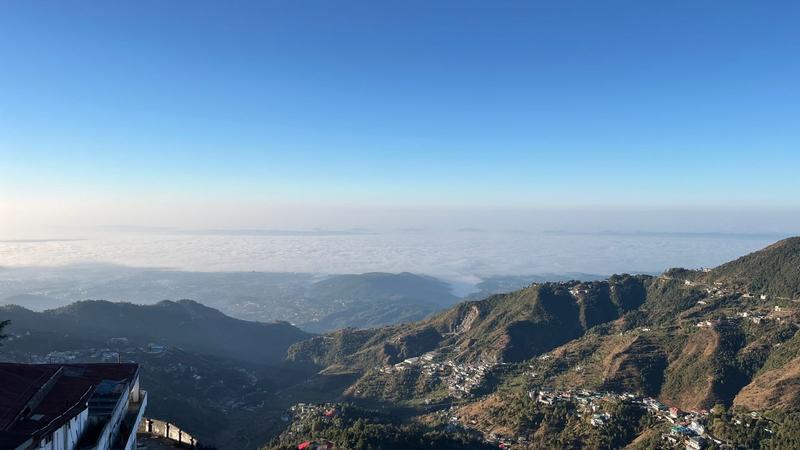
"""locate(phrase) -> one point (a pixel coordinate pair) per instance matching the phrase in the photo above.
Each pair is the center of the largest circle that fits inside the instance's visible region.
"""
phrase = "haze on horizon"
(180, 118)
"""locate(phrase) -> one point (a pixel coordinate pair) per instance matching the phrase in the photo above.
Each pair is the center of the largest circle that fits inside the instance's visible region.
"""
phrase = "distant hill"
(317, 303)
(375, 299)
(32, 302)
(185, 324)
(381, 286)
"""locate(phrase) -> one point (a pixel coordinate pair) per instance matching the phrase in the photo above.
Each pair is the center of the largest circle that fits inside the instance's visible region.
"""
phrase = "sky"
(317, 114)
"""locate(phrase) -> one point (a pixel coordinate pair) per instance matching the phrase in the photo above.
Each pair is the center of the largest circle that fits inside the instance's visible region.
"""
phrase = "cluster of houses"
(754, 316)
(461, 424)
(302, 412)
(578, 291)
(719, 289)
(589, 404)
(462, 379)
(67, 356)
(466, 378)
(688, 428)
(116, 347)
(757, 316)
(300, 415)
(707, 323)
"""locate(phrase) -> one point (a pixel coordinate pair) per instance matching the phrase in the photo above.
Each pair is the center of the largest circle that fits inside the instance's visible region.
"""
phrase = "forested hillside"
(184, 323)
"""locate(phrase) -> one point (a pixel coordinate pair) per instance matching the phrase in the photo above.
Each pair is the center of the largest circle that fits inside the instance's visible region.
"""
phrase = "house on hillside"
(679, 430)
(654, 405)
(697, 427)
(599, 419)
(695, 443)
(70, 406)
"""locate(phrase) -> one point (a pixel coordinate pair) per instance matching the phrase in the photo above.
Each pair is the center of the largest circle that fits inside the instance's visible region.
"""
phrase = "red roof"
(305, 444)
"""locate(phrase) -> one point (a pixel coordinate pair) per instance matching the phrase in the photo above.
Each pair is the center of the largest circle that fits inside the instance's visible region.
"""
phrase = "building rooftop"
(38, 398)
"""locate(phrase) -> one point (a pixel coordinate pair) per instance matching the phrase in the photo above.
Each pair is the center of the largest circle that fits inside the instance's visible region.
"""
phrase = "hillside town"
(117, 349)
(687, 429)
(461, 379)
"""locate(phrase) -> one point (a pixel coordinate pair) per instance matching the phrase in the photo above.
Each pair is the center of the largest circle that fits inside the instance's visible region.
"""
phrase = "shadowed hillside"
(375, 299)
(185, 324)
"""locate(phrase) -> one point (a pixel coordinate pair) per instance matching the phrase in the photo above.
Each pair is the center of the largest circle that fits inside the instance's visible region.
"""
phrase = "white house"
(70, 406)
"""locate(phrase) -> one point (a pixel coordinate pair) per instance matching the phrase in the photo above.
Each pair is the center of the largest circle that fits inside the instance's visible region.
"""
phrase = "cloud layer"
(461, 256)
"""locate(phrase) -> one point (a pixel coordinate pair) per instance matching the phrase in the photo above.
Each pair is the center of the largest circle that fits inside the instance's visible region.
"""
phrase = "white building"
(70, 406)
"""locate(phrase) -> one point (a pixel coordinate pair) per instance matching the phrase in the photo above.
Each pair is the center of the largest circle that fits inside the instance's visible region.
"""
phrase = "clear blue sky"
(521, 104)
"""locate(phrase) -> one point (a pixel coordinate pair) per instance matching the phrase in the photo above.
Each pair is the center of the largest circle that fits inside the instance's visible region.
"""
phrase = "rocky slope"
(505, 327)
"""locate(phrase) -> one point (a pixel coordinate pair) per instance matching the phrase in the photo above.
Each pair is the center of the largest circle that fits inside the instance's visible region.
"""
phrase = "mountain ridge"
(713, 324)
(184, 323)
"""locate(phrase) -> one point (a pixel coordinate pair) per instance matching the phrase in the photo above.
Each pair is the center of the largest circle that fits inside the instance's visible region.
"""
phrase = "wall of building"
(66, 437)
(168, 430)
(111, 428)
(136, 391)
(132, 439)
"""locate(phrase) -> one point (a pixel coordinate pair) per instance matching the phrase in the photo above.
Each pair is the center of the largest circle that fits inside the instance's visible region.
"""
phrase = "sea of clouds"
(460, 256)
